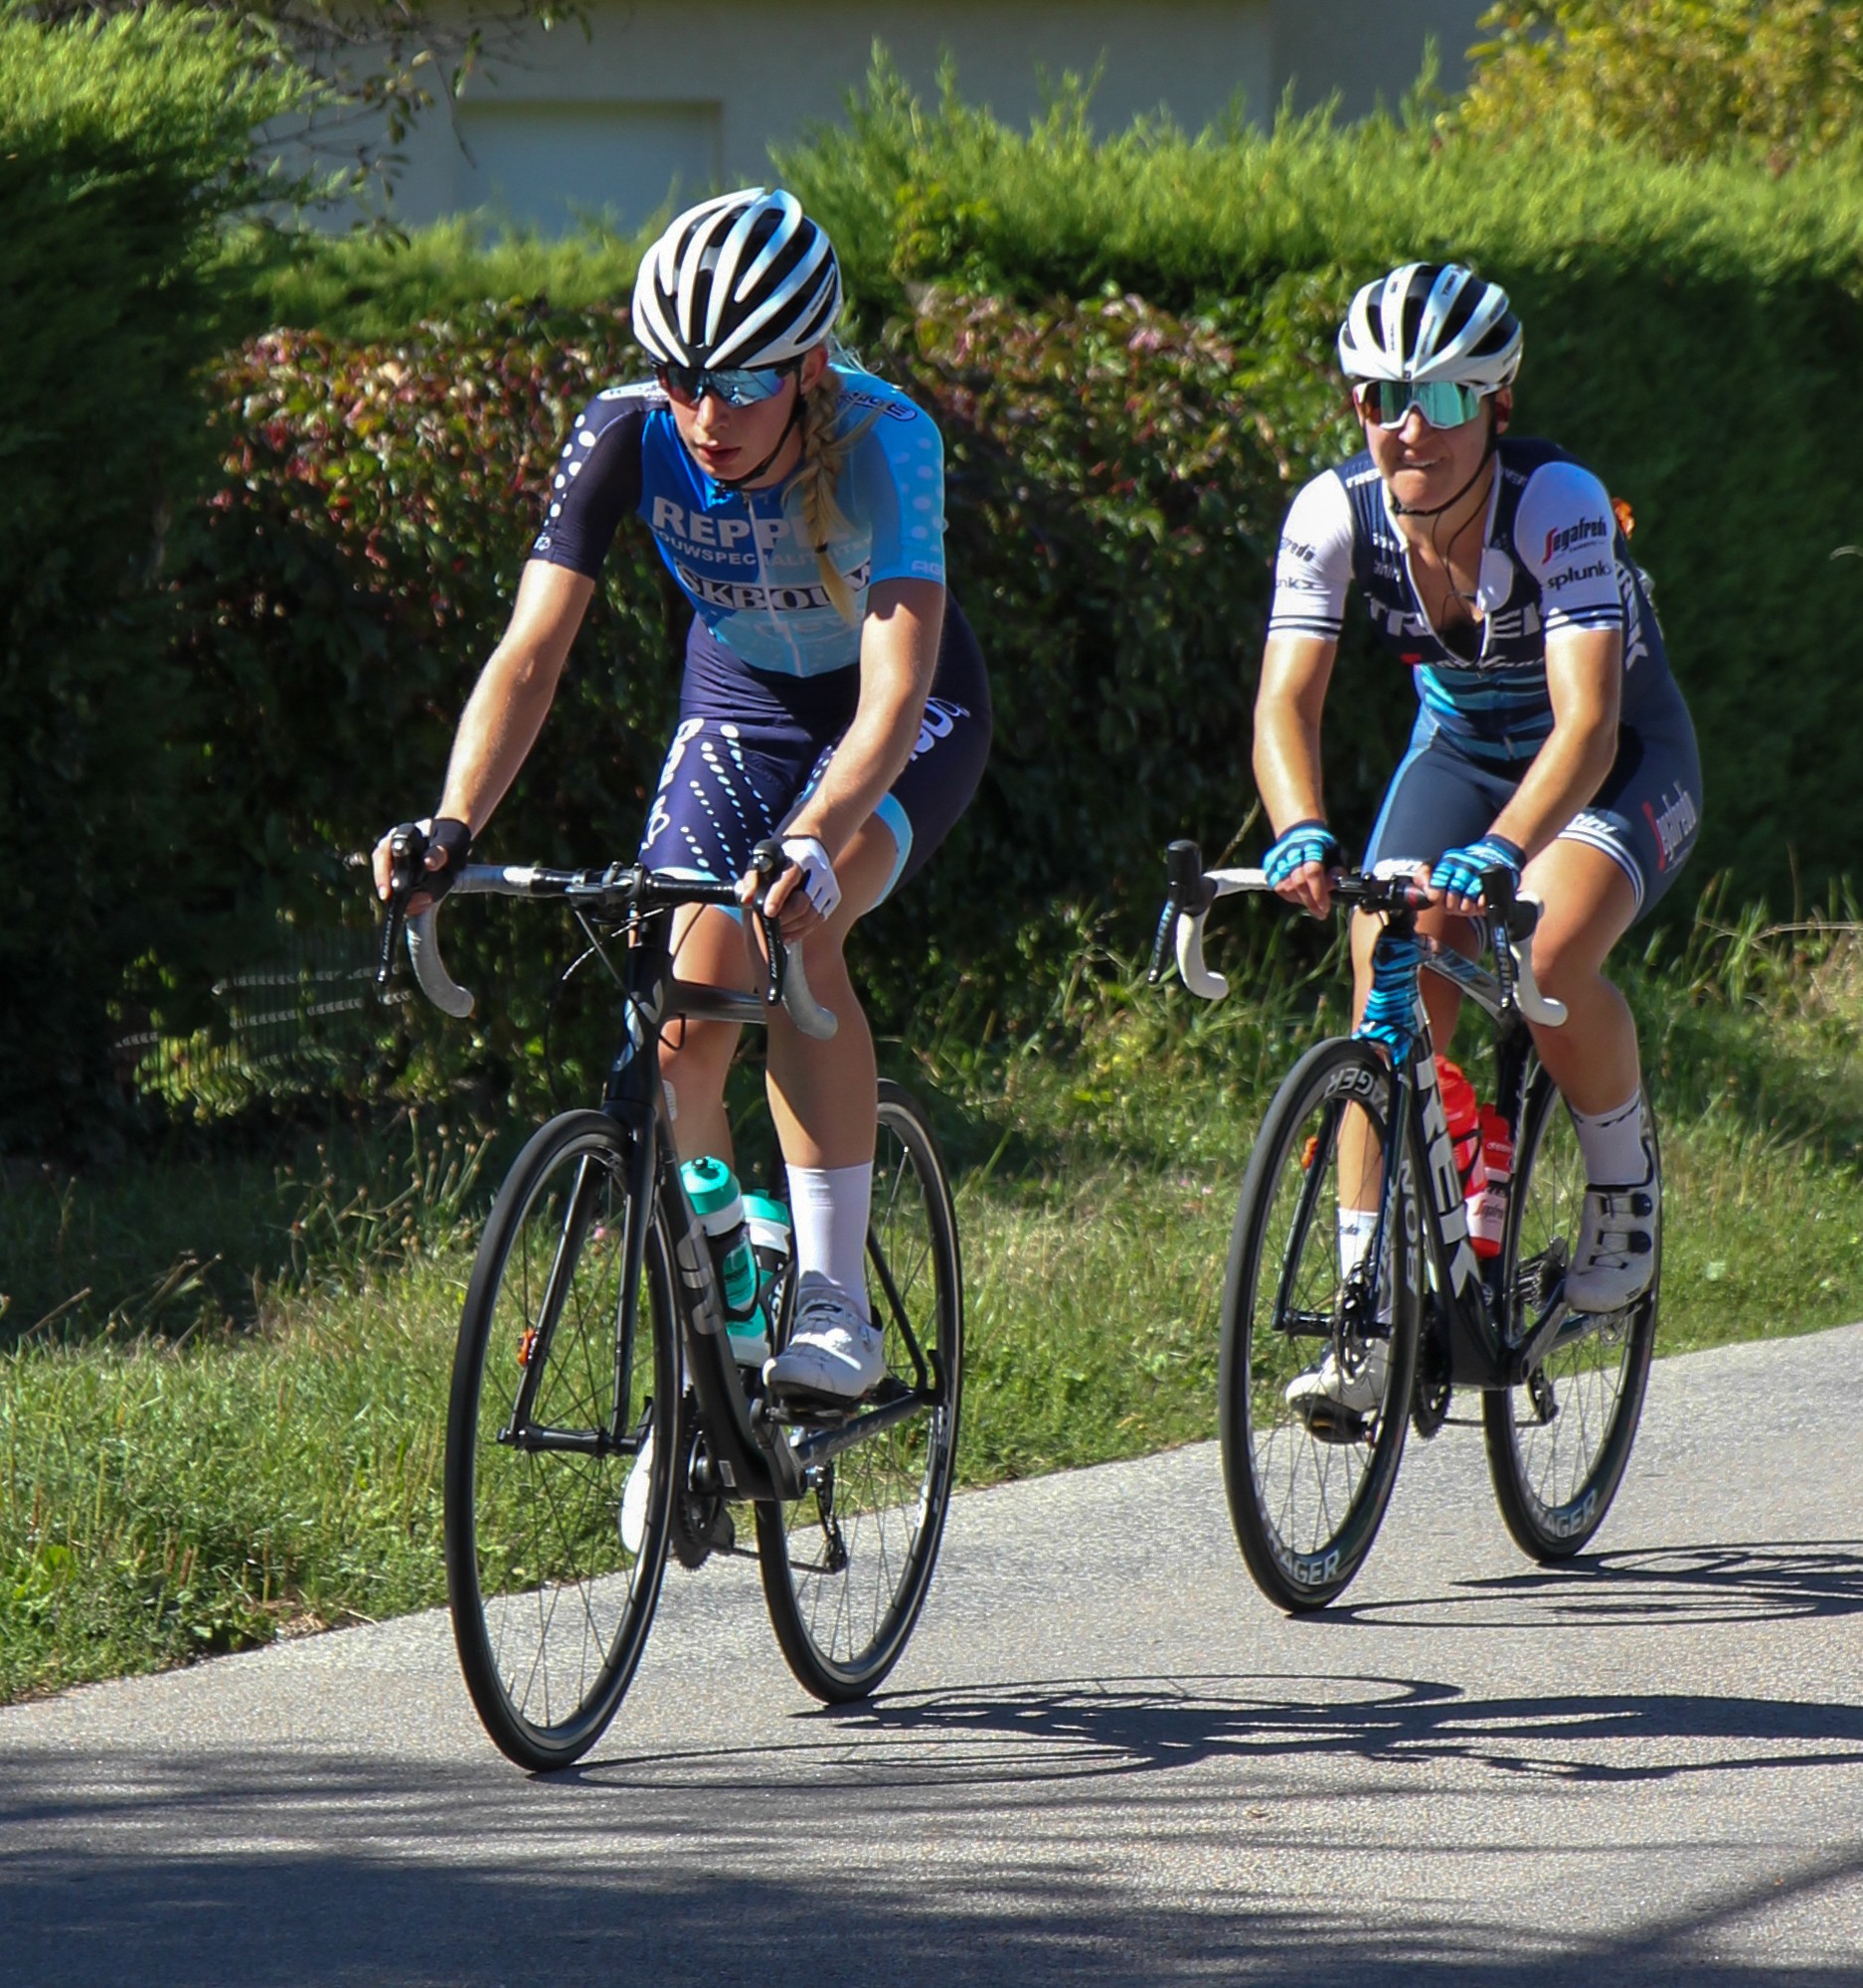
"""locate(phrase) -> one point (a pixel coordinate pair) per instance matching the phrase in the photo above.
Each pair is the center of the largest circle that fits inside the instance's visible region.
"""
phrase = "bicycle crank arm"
(828, 1443)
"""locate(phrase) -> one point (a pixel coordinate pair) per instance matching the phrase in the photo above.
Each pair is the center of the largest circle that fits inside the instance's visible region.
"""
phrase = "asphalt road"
(1104, 1757)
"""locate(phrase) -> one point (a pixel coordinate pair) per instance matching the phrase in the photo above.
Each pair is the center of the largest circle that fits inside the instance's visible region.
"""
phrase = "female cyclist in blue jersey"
(833, 693)
(1551, 742)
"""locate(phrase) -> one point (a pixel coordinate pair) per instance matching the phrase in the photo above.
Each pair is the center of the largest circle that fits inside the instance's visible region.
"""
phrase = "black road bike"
(1359, 1121)
(597, 1417)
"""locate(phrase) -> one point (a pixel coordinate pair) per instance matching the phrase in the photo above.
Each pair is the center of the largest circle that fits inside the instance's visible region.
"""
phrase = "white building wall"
(671, 98)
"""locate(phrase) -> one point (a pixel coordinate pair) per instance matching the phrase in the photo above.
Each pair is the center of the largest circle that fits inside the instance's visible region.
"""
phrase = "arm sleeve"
(1565, 536)
(1313, 568)
(597, 480)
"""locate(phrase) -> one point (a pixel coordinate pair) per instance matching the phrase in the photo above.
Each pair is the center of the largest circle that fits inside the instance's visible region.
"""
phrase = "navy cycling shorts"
(750, 745)
(1645, 817)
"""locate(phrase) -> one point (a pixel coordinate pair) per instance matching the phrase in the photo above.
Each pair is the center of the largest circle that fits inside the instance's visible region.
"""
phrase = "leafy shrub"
(123, 147)
(1687, 77)
(1636, 279)
(1115, 487)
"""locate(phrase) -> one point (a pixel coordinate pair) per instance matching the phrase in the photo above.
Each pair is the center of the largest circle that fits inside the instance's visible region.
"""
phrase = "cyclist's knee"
(695, 1051)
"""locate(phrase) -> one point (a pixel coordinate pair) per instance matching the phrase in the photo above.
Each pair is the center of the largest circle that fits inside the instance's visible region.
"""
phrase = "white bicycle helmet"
(1431, 321)
(743, 280)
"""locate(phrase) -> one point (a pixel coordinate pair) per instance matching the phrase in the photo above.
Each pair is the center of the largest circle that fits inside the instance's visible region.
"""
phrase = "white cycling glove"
(819, 884)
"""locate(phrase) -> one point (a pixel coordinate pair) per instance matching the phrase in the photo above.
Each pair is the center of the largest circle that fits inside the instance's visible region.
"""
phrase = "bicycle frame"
(1464, 1304)
(750, 1451)
(1465, 1307)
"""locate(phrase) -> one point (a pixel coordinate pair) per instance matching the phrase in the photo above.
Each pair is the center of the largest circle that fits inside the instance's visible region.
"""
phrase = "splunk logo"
(1674, 826)
(1561, 541)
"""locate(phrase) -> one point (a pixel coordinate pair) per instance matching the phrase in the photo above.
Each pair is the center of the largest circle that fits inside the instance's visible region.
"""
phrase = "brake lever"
(1190, 894)
(406, 846)
(767, 863)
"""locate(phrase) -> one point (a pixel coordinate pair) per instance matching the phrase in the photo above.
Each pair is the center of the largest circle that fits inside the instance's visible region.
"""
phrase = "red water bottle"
(1487, 1208)
(1465, 1122)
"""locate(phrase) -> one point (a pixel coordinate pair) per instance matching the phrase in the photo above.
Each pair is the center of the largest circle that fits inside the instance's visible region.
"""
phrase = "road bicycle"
(597, 1415)
(1358, 1124)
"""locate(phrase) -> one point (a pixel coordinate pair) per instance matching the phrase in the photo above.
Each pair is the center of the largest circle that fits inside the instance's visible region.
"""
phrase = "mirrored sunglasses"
(1444, 403)
(735, 386)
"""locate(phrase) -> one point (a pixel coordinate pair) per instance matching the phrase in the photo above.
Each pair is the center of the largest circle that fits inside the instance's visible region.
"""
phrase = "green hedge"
(1119, 469)
(1113, 515)
(1689, 328)
(123, 147)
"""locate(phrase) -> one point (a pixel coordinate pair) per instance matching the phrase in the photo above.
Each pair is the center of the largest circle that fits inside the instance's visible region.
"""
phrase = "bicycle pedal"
(1327, 1423)
(804, 1408)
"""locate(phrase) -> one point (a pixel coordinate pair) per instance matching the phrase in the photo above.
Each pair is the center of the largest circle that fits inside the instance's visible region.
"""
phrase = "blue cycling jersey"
(1553, 557)
(742, 556)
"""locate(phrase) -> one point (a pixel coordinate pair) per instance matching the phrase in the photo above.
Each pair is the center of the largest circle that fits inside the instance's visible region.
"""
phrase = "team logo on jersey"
(736, 599)
(1572, 575)
(1674, 826)
(1575, 535)
(896, 411)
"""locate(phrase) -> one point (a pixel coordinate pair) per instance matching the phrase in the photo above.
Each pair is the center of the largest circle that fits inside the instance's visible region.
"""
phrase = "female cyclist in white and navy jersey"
(1550, 738)
(833, 695)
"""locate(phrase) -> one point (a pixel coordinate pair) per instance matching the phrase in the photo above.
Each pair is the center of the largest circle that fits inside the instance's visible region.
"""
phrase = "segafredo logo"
(1574, 535)
(1674, 825)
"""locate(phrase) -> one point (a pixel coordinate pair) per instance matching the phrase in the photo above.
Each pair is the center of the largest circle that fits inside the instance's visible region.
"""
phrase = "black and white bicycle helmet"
(746, 279)
(1431, 321)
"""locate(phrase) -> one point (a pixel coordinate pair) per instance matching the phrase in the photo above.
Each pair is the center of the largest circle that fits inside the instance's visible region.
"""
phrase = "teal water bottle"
(771, 1244)
(712, 1189)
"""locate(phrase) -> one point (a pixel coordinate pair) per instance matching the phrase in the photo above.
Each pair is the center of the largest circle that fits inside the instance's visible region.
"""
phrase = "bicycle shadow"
(1768, 1580)
(1083, 1730)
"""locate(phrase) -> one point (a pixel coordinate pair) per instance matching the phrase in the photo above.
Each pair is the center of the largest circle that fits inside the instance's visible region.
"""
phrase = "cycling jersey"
(771, 681)
(740, 557)
(1553, 557)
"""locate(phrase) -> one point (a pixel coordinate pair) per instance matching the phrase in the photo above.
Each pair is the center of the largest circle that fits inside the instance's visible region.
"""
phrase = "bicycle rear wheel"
(1307, 1490)
(1558, 1447)
(847, 1564)
(556, 1393)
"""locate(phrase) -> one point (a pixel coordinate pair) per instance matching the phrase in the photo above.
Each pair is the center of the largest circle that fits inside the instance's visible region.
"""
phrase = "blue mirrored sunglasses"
(1444, 403)
(735, 386)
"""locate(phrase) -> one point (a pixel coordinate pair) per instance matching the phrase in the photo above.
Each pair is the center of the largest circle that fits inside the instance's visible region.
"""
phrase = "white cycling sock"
(830, 1206)
(1357, 1226)
(1613, 1144)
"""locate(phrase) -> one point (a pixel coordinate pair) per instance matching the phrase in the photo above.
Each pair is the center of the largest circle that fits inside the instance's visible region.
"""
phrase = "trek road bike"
(1415, 1315)
(598, 1420)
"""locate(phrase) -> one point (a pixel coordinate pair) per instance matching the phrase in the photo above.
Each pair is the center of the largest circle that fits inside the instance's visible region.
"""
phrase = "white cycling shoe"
(1616, 1261)
(1329, 1387)
(634, 1497)
(832, 1350)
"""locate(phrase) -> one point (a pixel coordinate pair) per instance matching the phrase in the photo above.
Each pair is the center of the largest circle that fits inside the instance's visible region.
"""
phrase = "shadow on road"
(1749, 1582)
(362, 1871)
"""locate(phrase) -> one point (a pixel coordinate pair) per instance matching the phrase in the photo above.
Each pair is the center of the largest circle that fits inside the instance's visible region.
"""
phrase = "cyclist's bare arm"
(509, 703)
(899, 648)
(1585, 683)
(1296, 671)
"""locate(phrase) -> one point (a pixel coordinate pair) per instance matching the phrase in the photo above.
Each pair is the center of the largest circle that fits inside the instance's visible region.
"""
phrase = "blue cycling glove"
(1294, 848)
(1460, 870)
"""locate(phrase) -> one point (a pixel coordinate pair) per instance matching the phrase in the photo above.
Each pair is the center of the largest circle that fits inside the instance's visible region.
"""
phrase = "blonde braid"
(811, 488)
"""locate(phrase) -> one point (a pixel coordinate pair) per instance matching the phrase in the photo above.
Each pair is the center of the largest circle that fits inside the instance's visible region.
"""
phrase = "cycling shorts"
(1645, 817)
(750, 745)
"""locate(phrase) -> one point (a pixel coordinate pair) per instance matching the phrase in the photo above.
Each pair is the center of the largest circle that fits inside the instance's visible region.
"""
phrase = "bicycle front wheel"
(847, 1564)
(1309, 1472)
(562, 1396)
(1558, 1447)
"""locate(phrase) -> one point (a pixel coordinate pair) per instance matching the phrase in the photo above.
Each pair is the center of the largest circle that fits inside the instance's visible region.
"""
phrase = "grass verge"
(228, 1427)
